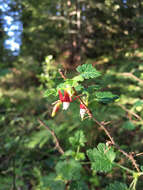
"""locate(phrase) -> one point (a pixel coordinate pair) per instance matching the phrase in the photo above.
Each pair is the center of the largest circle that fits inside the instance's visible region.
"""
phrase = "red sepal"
(82, 106)
(60, 95)
(67, 97)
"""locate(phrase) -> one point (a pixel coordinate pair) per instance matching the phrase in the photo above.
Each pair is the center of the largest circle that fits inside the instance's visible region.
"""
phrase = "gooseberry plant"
(74, 164)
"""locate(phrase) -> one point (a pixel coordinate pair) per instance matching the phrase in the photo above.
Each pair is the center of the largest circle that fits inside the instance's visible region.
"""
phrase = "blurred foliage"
(62, 34)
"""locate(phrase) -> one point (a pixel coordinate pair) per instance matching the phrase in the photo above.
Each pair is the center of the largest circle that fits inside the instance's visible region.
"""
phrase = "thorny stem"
(130, 112)
(129, 156)
(58, 147)
(130, 75)
(139, 154)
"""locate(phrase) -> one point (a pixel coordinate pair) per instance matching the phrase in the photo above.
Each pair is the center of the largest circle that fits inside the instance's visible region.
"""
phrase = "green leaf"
(69, 153)
(78, 185)
(69, 169)
(78, 139)
(49, 92)
(73, 154)
(80, 156)
(71, 83)
(5, 182)
(38, 139)
(138, 103)
(78, 78)
(117, 186)
(68, 83)
(93, 88)
(87, 71)
(141, 168)
(90, 90)
(79, 87)
(101, 158)
(62, 86)
(106, 97)
(128, 125)
(51, 182)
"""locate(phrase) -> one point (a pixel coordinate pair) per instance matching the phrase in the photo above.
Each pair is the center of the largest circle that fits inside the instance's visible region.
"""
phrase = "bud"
(56, 108)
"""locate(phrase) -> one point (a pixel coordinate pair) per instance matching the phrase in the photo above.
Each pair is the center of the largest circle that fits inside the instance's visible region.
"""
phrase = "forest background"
(57, 35)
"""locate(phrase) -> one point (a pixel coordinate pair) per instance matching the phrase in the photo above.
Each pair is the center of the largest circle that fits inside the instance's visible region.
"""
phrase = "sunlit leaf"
(101, 158)
(87, 71)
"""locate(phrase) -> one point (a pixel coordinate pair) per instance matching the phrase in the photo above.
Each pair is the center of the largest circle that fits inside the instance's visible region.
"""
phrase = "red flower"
(65, 99)
(82, 111)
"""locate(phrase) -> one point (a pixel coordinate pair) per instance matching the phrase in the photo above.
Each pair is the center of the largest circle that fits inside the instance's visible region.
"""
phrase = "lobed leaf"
(78, 185)
(87, 71)
(79, 87)
(50, 92)
(69, 169)
(106, 97)
(101, 158)
(51, 182)
(138, 103)
(78, 139)
(117, 186)
(78, 78)
(69, 83)
(128, 125)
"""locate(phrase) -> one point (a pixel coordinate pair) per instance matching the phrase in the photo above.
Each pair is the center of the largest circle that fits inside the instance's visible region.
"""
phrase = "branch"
(58, 147)
(130, 112)
(129, 156)
(139, 154)
(130, 75)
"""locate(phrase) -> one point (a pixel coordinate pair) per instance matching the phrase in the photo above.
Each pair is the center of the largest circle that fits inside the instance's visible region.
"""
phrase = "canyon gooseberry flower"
(65, 99)
(82, 111)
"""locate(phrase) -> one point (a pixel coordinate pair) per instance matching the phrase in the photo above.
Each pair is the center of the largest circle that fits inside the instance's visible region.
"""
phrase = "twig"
(130, 112)
(105, 130)
(139, 154)
(129, 156)
(130, 75)
(58, 147)
(62, 75)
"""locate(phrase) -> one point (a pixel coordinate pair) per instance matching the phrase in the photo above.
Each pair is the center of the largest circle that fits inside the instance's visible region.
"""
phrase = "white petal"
(82, 113)
(65, 105)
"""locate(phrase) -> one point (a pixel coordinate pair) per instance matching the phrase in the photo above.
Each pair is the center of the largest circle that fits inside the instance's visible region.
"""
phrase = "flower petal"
(66, 105)
(82, 113)
(60, 95)
(67, 97)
